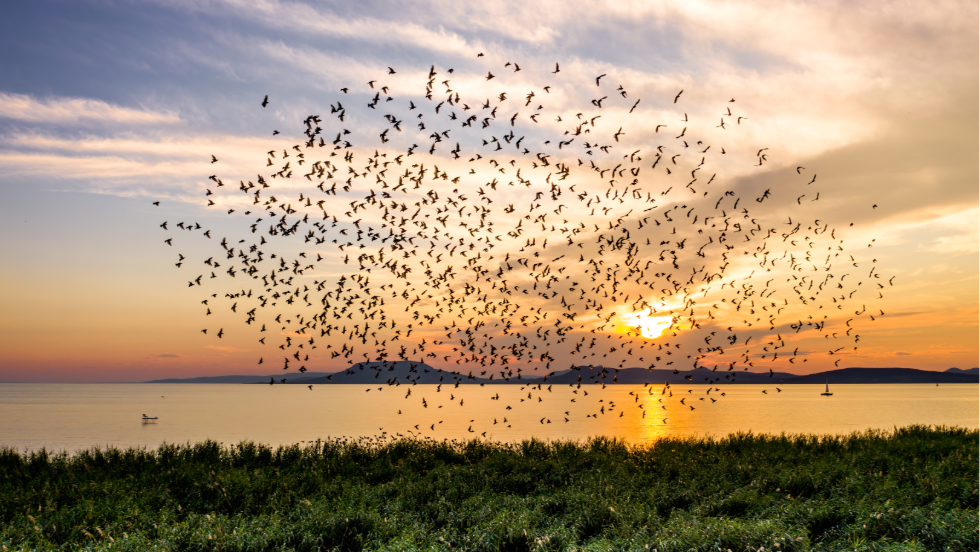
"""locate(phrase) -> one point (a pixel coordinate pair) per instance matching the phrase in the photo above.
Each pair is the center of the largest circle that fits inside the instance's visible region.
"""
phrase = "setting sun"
(650, 327)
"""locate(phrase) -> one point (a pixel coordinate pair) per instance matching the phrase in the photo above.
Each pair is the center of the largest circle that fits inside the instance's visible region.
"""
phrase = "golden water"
(76, 416)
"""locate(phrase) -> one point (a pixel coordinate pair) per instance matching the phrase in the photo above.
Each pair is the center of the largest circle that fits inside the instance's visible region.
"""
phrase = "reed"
(913, 488)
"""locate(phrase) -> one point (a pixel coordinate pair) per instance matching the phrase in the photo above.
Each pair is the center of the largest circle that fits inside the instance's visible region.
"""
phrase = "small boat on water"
(826, 392)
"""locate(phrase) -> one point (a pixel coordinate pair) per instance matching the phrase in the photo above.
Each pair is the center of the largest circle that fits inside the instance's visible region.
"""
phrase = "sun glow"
(650, 327)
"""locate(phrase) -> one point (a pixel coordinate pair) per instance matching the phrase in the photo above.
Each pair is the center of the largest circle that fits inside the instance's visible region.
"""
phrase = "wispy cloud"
(963, 235)
(304, 18)
(225, 349)
(65, 111)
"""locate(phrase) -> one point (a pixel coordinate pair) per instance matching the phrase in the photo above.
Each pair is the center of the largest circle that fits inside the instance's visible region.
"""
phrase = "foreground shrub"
(911, 489)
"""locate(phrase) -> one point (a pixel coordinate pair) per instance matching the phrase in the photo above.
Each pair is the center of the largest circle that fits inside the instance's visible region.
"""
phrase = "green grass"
(910, 489)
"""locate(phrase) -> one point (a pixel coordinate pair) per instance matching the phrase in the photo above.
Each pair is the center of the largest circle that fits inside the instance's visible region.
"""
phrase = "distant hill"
(402, 372)
(406, 372)
(962, 371)
(234, 379)
(369, 373)
(884, 375)
(638, 376)
(364, 373)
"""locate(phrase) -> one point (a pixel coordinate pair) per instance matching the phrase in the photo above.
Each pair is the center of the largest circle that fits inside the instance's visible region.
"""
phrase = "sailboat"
(826, 392)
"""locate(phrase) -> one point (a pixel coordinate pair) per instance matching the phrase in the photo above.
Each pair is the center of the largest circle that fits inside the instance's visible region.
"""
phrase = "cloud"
(225, 349)
(299, 17)
(168, 355)
(73, 110)
(963, 233)
(95, 169)
(901, 353)
(131, 163)
(913, 313)
(192, 148)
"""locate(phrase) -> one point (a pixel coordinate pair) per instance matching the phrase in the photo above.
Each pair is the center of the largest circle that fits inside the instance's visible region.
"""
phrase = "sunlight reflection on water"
(75, 416)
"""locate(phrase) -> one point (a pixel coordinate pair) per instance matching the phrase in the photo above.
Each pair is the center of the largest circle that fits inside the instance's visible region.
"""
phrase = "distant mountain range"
(962, 371)
(405, 372)
(886, 375)
(233, 379)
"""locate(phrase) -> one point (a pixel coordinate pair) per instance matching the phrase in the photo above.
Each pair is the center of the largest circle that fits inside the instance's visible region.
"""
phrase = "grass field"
(910, 489)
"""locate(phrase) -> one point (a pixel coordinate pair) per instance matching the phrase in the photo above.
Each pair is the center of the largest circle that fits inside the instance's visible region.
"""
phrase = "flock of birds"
(496, 237)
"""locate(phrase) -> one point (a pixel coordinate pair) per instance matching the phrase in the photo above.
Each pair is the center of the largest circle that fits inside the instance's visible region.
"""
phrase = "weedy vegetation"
(909, 489)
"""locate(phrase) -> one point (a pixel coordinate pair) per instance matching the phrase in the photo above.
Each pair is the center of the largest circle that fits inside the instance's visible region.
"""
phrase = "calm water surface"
(77, 416)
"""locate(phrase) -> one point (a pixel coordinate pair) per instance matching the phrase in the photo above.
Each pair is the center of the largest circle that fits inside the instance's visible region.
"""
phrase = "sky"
(106, 107)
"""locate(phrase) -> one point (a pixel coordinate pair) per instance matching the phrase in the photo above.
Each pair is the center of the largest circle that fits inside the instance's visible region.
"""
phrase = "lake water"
(77, 416)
